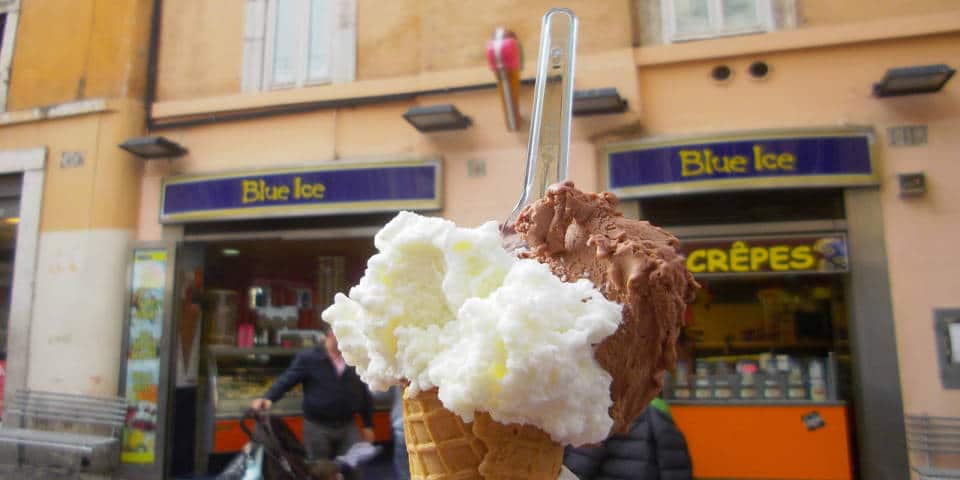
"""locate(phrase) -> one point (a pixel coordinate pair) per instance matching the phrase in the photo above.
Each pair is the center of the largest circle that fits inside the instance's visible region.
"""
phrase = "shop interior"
(772, 338)
(250, 305)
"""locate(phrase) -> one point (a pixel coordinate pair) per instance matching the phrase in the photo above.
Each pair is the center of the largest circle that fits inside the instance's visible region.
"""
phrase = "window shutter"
(253, 46)
(343, 54)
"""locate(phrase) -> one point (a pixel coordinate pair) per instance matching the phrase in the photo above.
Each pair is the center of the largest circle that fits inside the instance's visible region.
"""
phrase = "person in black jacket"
(653, 449)
(332, 394)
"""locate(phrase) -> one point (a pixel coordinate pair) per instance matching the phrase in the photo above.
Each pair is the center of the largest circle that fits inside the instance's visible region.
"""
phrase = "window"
(699, 19)
(9, 13)
(297, 43)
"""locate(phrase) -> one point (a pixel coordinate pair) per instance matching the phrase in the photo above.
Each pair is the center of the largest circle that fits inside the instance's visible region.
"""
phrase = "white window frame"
(259, 45)
(30, 163)
(765, 21)
(12, 9)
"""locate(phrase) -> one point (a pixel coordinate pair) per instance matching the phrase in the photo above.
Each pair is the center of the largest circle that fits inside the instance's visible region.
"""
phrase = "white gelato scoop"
(444, 306)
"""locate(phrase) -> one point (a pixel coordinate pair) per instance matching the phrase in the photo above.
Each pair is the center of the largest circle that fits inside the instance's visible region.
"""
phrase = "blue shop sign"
(321, 190)
(782, 160)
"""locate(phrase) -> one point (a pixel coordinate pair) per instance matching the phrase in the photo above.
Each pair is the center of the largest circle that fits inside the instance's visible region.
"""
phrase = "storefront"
(774, 228)
(221, 309)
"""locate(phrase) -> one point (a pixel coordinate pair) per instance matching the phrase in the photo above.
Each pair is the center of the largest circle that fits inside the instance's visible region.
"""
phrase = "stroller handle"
(251, 414)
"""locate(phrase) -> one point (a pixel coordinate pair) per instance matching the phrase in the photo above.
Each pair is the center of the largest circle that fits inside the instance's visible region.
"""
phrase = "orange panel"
(229, 437)
(768, 442)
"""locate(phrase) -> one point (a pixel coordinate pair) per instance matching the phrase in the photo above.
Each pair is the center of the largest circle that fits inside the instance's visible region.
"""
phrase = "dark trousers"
(326, 442)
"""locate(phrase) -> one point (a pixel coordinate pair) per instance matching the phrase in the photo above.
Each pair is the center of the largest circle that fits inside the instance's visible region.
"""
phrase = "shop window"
(297, 43)
(771, 338)
(744, 207)
(699, 19)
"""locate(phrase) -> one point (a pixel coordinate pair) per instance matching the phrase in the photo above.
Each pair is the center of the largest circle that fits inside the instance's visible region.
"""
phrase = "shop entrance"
(244, 306)
(766, 354)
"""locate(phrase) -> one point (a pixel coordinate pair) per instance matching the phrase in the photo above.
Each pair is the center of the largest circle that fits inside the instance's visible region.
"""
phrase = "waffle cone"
(516, 452)
(439, 444)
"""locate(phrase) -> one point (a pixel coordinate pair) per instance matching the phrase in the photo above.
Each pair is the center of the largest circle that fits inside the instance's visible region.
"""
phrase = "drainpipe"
(151, 88)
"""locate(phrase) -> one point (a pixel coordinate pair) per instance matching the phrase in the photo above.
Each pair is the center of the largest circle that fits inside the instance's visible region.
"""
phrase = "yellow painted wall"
(201, 50)
(104, 192)
(69, 50)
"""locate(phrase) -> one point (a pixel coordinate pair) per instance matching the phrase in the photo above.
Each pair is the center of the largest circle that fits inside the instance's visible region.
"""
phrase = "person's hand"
(261, 404)
(368, 435)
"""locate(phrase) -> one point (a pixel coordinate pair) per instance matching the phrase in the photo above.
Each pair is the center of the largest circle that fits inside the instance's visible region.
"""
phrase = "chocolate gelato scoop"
(582, 235)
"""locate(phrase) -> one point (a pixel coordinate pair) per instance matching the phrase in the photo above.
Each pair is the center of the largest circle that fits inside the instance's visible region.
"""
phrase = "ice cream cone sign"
(505, 58)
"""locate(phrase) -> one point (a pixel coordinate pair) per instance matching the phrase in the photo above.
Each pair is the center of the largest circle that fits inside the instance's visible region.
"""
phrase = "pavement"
(380, 468)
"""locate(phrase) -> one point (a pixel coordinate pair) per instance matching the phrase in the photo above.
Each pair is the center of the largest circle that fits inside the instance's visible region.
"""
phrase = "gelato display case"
(236, 376)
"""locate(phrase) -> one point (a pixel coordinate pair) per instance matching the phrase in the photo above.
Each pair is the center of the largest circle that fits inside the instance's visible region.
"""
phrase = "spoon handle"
(549, 143)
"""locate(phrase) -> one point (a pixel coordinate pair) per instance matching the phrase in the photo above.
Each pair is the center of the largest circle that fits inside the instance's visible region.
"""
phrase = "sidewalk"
(13, 472)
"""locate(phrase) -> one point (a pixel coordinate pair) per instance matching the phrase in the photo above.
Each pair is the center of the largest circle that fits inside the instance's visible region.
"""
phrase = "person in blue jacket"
(332, 394)
(653, 449)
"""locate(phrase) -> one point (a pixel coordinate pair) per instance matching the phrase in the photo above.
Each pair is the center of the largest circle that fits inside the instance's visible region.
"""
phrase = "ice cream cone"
(517, 452)
(439, 444)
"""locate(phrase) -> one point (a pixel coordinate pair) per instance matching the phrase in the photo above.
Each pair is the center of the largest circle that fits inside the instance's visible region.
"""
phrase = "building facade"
(73, 76)
(287, 94)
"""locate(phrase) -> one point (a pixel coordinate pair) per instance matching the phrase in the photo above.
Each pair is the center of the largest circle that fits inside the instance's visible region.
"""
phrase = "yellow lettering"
(717, 260)
(690, 163)
(786, 161)
(721, 164)
(738, 164)
(707, 158)
(757, 153)
(739, 257)
(307, 190)
(758, 256)
(296, 188)
(763, 161)
(282, 193)
(251, 193)
(779, 258)
(319, 190)
(696, 261)
(802, 258)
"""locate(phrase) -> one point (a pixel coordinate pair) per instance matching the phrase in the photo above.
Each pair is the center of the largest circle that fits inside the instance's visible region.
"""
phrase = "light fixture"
(911, 80)
(11, 220)
(230, 252)
(436, 118)
(153, 146)
(598, 101)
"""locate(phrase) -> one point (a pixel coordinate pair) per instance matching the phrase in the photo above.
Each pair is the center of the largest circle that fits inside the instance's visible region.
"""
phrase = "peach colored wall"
(201, 48)
(380, 133)
(201, 52)
(825, 12)
(832, 87)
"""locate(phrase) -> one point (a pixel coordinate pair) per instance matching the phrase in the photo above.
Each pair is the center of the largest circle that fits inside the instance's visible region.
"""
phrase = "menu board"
(143, 356)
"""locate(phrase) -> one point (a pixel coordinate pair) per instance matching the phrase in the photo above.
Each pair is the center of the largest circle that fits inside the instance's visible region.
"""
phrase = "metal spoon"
(549, 143)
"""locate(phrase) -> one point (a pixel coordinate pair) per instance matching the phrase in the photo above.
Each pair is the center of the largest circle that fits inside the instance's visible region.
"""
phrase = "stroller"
(274, 453)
